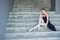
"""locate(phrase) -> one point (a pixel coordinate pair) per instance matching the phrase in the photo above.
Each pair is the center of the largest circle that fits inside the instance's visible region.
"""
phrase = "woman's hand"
(46, 25)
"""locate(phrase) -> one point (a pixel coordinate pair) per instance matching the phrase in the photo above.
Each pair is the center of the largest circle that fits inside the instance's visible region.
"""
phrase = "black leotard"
(50, 26)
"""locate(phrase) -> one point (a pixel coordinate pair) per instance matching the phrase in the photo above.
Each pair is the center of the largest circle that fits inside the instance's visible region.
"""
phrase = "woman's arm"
(47, 19)
(40, 18)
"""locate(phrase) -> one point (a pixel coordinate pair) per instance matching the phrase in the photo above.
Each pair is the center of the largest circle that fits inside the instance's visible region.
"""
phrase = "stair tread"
(33, 35)
(53, 38)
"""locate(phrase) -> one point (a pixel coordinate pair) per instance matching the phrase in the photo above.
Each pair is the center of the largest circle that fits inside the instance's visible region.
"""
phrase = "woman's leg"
(43, 24)
(38, 26)
(34, 28)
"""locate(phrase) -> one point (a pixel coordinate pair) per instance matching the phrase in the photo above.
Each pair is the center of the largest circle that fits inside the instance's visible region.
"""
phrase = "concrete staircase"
(20, 21)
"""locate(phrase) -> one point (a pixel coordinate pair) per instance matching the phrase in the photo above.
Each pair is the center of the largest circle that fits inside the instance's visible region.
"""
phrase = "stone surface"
(25, 15)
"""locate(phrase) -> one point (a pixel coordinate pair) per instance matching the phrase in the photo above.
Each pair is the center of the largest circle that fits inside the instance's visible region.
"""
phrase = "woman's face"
(43, 11)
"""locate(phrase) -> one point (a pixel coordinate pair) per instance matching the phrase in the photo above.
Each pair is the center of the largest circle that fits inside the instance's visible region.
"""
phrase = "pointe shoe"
(29, 30)
(38, 28)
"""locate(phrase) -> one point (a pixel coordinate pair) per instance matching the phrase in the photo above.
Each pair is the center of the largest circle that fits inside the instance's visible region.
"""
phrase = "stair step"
(32, 23)
(27, 19)
(33, 35)
(53, 38)
(22, 21)
(30, 20)
(25, 29)
(32, 16)
(16, 13)
(28, 24)
(28, 13)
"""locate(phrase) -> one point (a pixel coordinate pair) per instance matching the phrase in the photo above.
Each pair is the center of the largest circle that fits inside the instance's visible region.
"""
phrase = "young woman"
(44, 21)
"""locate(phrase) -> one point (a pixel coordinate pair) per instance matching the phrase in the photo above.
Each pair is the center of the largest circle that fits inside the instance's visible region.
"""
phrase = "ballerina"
(44, 21)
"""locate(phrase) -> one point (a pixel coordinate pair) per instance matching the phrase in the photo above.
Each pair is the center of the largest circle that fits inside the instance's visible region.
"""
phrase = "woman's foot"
(29, 30)
(38, 28)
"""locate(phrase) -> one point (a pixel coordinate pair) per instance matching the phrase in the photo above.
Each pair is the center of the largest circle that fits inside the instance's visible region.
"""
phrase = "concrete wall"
(5, 7)
(31, 5)
(57, 6)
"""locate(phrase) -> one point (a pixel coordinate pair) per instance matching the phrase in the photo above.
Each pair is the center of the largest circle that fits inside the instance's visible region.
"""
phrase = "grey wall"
(57, 6)
(53, 5)
(5, 7)
(31, 5)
